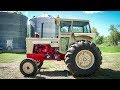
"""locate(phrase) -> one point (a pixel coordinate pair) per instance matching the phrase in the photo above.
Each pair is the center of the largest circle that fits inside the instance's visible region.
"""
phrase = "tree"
(94, 30)
(99, 39)
(107, 40)
(114, 35)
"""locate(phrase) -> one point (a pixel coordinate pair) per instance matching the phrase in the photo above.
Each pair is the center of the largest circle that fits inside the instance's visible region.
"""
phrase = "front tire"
(28, 67)
(83, 58)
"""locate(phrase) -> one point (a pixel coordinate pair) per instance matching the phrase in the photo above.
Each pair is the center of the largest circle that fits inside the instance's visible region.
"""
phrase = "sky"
(101, 20)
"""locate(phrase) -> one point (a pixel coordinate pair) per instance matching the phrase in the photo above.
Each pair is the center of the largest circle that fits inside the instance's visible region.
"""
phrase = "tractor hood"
(92, 35)
(83, 36)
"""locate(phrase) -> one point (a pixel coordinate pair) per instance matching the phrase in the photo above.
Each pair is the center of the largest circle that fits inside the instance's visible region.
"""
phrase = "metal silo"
(13, 31)
(43, 24)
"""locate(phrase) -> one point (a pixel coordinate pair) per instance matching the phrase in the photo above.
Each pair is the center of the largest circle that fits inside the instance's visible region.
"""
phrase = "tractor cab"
(72, 30)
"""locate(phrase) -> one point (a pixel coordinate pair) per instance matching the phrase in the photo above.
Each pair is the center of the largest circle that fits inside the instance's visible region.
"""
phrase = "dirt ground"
(11, 71)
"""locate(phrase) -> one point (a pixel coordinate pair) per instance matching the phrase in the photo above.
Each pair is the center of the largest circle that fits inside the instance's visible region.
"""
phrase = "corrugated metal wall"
(13, 31)
(49, 26)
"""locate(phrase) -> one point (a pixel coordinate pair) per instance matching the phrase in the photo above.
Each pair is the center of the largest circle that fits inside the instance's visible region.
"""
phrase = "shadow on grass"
(56, 73)
(35, 77)
(108, 73)
(101, 74)
(63, 73)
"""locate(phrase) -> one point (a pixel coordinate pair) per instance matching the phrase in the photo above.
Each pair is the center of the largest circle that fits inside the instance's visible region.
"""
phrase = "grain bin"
(44, 25)
(13, 31)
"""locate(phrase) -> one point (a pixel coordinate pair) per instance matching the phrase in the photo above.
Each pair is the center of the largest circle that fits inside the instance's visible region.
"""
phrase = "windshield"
(75, 26)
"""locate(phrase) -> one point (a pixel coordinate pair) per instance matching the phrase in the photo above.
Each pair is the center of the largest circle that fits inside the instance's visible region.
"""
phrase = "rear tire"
(83, 58)
(28, 67)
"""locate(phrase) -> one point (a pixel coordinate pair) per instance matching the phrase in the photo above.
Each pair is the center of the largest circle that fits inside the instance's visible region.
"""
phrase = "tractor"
(74, 44)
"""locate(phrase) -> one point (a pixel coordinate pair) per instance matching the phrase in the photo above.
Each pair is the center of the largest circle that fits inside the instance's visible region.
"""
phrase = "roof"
(74, 19)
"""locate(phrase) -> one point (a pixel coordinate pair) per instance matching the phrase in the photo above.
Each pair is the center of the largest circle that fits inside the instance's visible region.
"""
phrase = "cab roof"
(74, 19)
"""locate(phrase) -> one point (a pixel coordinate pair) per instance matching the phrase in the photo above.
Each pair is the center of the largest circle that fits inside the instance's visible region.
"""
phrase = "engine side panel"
(43, 52)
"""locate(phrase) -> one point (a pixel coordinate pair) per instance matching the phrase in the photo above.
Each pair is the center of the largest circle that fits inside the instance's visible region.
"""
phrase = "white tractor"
(74, 44)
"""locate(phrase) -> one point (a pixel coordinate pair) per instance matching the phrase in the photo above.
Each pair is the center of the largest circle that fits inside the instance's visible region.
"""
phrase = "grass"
(110, 68)
(110, 49)
(111, 60)
(11, 57)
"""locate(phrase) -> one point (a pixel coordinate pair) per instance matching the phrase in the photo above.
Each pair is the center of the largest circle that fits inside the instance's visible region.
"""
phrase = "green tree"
(107, 40)
(94, 30)
(114, 35)
(99, 39)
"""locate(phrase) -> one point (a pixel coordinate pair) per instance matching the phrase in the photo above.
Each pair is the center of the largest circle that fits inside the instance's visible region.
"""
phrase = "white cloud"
(26, 13)
(92, 12)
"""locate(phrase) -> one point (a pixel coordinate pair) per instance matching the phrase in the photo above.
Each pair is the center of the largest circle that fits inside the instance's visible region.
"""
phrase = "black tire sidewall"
(40, 65)
(73, 66)
(83, 70)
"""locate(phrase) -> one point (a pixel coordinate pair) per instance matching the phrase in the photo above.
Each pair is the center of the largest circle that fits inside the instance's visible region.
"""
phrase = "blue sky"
(98, 19)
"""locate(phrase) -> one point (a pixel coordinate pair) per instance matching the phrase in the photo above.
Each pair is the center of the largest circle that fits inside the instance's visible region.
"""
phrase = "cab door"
(64, 35)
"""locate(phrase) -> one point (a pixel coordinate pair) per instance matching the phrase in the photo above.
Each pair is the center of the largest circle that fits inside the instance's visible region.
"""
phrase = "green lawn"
(110, 49)
(11, 57)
